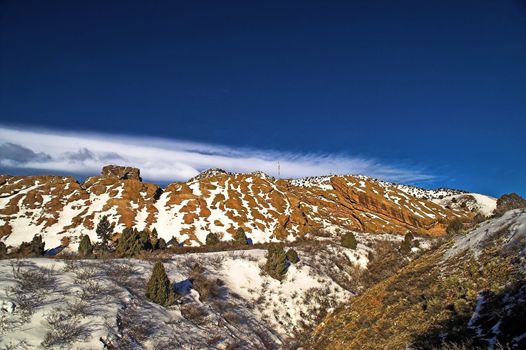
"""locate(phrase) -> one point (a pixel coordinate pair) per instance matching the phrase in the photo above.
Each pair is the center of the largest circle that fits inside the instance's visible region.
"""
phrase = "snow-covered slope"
(82, 304)
(474, 202)
(62, 210)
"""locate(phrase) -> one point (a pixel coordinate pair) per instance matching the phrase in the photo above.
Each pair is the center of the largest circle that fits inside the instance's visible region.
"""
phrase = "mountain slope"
(61, 209)
(471, 291)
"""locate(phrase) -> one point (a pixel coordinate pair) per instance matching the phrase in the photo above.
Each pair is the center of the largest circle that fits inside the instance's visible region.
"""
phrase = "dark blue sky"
(440, 85)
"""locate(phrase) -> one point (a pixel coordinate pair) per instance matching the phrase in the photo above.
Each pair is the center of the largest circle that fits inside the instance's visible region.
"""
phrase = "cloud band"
(169, 160)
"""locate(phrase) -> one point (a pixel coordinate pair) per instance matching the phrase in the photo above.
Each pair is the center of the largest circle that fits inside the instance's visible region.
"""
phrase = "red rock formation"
(216, 201)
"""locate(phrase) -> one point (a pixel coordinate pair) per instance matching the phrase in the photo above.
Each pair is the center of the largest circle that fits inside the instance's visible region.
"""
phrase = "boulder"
(121, 172)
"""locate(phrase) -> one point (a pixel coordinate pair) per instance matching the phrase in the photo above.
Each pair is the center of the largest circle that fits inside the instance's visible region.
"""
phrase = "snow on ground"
(76, 303)
(513, 221)
(473, 201)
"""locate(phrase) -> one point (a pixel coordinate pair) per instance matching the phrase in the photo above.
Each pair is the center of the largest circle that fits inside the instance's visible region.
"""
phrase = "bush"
(349, 241)
(455, 226)
(206, 288)
(104, 232)
(509, 201)
(212, 239)
(159, 289)
(292, 256)
(276, 265)
(407, 243)
(240, 237)
(85, 247)
(194, 313)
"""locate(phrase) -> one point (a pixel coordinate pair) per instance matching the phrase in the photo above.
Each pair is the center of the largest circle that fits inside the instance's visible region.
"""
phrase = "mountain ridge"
(268, 209)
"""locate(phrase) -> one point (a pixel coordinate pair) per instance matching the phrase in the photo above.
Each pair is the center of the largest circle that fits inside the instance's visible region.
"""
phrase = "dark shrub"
(159, 289)
(3, 250)
(132, 242)
(509, 201)
(212, 238)
(161, 244)
(154, 238)
(292, 256)
(276, 265)
(85, 247)
(407, 243)
(240, 237)
(455, 226)
(349, 241)
(34, 248)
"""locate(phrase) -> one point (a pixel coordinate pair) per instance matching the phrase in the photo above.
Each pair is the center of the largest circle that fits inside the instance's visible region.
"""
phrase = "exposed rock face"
(216, 201)
(121, 172)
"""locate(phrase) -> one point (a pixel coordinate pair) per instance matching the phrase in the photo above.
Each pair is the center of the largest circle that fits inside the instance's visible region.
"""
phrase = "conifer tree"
(132, 242)
(104, 232)
(212, 239)
(161, 244)
(85, 247)
(173, 242)
(154, 239)
(349, 241)
(240, 237)
(37, 246)
(159, 289)
(276, 265)
(3, 250)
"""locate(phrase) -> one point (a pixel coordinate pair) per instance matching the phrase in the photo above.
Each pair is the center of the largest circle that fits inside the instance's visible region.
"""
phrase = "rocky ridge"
(268, 209)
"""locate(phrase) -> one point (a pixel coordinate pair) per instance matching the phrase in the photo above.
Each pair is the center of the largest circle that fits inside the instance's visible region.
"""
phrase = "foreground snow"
(512, 225)
(82, 304)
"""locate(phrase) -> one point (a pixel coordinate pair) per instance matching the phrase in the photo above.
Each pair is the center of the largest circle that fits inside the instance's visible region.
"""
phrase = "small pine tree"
(144, 241)
(154, 238)
(3, 250)
(407, 243)
(212, 239)
(104, 232)
(276, 265)
(292, 256)
(172, 242)
(240, 237)
(85, 247)
(159, 289)
(161, 244)
(349, 241)
(37, 246)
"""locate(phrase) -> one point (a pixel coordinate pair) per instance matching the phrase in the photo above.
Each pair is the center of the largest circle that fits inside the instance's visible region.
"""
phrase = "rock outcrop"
(121, 172)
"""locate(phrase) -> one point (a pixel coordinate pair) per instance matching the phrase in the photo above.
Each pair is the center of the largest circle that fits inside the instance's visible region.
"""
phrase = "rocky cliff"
(62, 209)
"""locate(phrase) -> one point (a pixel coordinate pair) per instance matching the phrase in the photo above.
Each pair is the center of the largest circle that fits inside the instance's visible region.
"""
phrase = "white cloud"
(168, 160)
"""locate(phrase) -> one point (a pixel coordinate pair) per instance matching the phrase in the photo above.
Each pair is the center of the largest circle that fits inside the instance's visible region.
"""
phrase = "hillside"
(224, 299)
(470, 291)
(62, 209)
